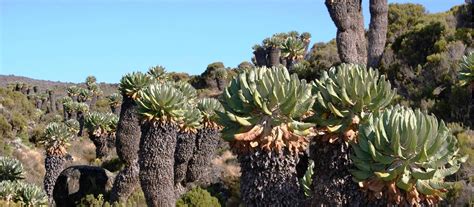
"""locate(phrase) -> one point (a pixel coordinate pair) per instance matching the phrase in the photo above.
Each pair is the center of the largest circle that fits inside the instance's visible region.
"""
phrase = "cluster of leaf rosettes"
(399, 154)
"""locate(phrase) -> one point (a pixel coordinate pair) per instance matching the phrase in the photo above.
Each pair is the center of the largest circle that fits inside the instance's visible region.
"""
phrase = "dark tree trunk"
(128, 132)
(52, 101)
(53, 166)
(111, 138)
(377, 35)
(38, 104)
(125, 183)
(156, 159)
(351, 43)
(101, 148)
(127, 144)
(273, 56)
(260, 56)
(207, 141)
(269, 179)
(185, 145)
(35, 89)
(80, 119)
(332, 182)
(93, 101)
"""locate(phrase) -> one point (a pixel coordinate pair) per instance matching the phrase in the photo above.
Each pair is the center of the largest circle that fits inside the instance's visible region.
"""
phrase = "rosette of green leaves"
(73, 126)
(466, 73)
(208, 108)
(158, 73)
(187, 89)
(101, 123)
(72, 91)
(160, 102)
(347, 91)
(408, 147)
(132, 83)
(265, 97)
(56, 138)
(192, 119)
(10, 169)
(114, 99)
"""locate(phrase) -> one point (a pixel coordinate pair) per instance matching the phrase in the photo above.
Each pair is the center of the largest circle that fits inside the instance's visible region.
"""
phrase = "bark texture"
(128, 132)
(127, 143)
(269, 179)
(186, 143)
(273, 56)
(207, 141)
(351, 43)
(80, 119)
(260, 56)
(101, 148)
(377, 34)
(53, 166)
(332, 182)
(156, 159)
(125, 183)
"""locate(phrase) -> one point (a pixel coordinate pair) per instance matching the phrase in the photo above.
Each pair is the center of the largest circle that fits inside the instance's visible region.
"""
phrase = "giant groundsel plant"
(346, 94)
(263, 109)
(404, 155)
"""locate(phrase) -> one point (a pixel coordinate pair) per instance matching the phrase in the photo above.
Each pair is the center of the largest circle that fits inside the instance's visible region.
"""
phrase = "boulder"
(75, 182)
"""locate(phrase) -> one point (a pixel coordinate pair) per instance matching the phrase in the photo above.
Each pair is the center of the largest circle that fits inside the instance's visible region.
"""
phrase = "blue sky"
(68, 40)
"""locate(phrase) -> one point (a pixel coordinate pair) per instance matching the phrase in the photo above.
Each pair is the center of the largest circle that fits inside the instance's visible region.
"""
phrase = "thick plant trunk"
(156, 159)
(128, 132)
(127, 143)
(125, 183)
(351, 43)
(260, 57)
(80, 119)
(52, 101)
(332, 181)
(269, 179)
(377, 35)
(207, 141)
(101, 148)
(273, 56)
(185, 145)
(53, 166)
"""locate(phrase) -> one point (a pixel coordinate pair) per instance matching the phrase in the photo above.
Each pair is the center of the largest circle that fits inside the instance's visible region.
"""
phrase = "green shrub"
(5, 127)
(197, 197)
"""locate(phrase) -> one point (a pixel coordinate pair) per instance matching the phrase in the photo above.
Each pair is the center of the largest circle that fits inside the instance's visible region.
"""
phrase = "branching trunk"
(156, 159)
(332, 182)
(127, 143)
(351, 43)
(186, 143)
(207, 141)
(269, 179)
(53, 166)
(377, 35)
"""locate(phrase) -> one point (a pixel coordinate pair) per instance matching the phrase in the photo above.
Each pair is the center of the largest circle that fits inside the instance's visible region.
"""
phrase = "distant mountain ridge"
(47, 84)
